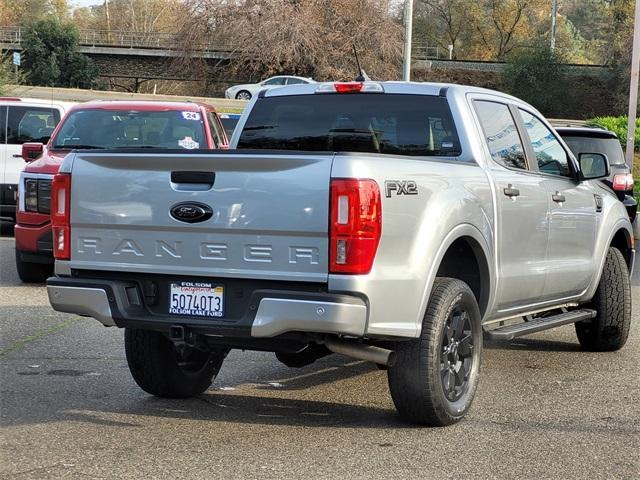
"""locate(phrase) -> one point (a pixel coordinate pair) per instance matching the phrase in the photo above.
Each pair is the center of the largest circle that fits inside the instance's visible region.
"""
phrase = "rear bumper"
(268, 313)
(631, 204)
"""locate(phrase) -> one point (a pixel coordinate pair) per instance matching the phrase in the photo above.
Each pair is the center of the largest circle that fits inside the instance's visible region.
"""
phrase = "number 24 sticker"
(191, 115)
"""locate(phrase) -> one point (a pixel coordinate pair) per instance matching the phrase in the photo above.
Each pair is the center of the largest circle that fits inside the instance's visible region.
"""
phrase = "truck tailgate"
(269, 214)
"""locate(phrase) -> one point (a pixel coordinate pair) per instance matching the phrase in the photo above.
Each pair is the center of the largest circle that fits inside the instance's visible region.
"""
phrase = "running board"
(509, 332)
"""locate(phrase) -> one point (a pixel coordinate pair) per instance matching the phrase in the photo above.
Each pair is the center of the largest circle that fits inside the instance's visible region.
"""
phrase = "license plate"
(196, 299)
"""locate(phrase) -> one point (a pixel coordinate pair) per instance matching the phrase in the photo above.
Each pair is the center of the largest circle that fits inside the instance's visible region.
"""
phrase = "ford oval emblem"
(191, 212)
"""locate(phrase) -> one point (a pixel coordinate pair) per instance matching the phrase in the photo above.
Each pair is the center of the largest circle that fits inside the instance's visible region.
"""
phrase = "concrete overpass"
(103, 42)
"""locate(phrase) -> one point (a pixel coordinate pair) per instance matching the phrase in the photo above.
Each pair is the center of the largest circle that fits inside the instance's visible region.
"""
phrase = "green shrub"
(51, 56)
(618, 125)
(538, 76)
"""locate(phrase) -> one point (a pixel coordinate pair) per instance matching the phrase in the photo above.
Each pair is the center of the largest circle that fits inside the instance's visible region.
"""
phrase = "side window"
(215, 129)
(3, 124)
(501, 134)
(296, 81)
(550, 155)
(275, 81)
(31, 124)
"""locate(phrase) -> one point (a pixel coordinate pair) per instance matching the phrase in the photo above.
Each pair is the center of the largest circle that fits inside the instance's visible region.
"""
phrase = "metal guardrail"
(421, 51)
(118, 39)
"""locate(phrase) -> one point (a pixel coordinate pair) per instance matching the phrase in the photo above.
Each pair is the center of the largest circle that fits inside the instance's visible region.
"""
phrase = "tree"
(538, 76)
(51, 57)
(304, 37)
(21, 12)
(139, 15)
(451, 21)
(508, 21)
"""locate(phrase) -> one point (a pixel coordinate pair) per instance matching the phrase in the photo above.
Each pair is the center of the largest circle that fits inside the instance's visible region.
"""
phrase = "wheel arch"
(464, 254)
(623, 240)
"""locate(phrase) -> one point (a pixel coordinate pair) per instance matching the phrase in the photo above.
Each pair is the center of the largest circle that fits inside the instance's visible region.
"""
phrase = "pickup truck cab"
(388, 221)
(21, 120)
(99, 125)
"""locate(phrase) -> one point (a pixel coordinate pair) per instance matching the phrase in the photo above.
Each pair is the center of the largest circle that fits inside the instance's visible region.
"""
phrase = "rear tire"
(435, 376)
(243, 95)
(609, 330)
(30, 272)
(159, 369)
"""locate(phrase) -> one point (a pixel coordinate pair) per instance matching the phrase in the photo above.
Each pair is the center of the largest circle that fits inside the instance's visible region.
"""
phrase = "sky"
(85, 3)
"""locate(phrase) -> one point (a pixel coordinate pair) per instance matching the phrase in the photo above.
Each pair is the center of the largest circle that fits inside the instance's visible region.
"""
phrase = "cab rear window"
(417, 125)
(98, 128)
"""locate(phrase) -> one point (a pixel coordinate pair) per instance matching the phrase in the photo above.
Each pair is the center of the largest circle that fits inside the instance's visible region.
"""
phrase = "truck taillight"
(355, 225)
(623, 182)
(60, 215)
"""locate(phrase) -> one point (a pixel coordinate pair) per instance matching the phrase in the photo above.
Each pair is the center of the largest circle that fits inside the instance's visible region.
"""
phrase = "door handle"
(511, 192)
(17, 155)
(558, 197)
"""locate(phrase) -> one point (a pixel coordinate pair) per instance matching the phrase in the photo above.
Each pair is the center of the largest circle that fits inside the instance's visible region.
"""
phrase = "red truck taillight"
(60, 215)
(355, 225)
(623, 182)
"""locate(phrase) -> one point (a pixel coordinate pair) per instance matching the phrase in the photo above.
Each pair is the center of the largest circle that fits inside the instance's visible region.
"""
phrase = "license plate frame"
(196, 299)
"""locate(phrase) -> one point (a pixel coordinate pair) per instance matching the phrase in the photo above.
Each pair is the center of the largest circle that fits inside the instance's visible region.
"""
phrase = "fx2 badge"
(400, 187)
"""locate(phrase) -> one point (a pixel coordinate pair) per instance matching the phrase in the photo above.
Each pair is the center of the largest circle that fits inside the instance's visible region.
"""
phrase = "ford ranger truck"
(96, 125)
(391, 222)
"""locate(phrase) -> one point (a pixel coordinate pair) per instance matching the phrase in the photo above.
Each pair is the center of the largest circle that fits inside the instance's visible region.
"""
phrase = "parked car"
(21, 120)
(391, 222)
(248, 90)
(585, 139)
(229, 122)
(99, 125)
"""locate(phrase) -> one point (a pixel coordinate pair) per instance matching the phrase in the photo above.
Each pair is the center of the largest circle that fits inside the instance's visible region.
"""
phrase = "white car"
(21, 120)
(248, 90)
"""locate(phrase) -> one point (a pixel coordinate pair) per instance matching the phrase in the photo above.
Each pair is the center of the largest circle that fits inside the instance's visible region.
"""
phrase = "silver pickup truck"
(398, 223)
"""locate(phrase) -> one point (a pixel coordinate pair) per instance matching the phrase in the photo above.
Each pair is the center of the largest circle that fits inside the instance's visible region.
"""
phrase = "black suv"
(584, 139)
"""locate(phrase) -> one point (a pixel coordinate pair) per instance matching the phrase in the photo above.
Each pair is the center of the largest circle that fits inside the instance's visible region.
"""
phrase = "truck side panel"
(449, 194)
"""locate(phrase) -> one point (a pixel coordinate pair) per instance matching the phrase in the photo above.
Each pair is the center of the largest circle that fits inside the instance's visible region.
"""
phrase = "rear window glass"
(609, 146)
(398, 124)
(96, 128)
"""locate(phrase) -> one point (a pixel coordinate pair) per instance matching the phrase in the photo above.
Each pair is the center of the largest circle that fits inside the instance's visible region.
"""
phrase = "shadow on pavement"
(242, 409)
(533, 345)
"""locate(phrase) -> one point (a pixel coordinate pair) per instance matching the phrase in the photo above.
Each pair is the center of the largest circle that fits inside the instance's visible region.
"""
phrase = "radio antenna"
(361, 77)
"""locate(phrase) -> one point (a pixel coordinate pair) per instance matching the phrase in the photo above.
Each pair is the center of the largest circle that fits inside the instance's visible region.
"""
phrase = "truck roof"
(140, 105)
(398, 87)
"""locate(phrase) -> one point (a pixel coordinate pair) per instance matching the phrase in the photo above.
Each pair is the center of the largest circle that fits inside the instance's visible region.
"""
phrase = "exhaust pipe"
(368, 353)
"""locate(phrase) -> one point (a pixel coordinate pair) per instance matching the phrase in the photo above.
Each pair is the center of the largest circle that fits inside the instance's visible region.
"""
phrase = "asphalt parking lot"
(69, 409)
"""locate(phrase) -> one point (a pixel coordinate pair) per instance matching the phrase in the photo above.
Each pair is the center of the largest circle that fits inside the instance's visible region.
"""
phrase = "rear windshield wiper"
(77, 147)
(260, 127)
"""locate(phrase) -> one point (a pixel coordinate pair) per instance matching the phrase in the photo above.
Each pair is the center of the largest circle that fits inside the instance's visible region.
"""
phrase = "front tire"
(435, 376)
(30, 272)
(161, 370)
(243, 95)
(609, 330)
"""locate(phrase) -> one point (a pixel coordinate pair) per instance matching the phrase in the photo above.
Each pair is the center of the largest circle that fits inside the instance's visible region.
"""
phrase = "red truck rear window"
(98, 128)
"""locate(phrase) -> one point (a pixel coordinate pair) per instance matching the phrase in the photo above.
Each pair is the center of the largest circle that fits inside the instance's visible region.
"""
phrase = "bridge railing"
(118, 39)
(10, 35)
(422, 51)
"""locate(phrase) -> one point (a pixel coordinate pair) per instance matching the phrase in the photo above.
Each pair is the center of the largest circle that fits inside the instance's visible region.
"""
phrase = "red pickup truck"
(99, 125)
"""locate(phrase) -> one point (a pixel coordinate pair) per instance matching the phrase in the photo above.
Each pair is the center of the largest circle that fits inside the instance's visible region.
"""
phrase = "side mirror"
(31, 151)
(593, 165)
